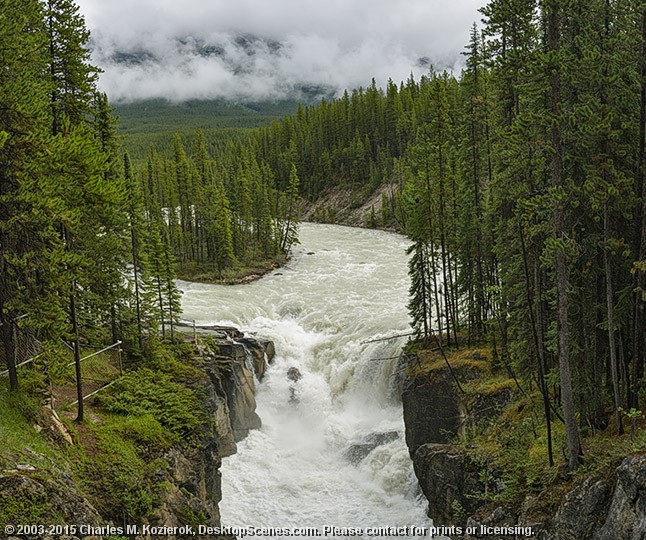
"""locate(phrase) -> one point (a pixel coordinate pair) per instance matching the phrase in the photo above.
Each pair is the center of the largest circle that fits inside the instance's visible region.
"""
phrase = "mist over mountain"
(239, 68)
(246, 67)
(257, 51)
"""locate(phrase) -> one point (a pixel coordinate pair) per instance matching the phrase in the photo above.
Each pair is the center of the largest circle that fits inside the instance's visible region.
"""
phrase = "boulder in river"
(294, 374)
(360, 450)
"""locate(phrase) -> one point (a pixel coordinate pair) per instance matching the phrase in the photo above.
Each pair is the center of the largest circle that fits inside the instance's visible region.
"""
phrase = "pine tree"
(23, 97)
(288, 224)
(419, 305)
(73, 77)
(554, 14)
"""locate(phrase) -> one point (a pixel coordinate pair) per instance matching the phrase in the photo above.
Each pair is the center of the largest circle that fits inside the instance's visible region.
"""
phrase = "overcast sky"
(183, 49)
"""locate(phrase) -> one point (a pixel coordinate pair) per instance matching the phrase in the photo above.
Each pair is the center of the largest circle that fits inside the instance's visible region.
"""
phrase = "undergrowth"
(118, 459)
(240, 272)
(143, 414)
(148, 393)
(512, 448)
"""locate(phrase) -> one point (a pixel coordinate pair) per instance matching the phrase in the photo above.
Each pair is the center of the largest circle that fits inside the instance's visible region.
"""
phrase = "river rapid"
(343, 286)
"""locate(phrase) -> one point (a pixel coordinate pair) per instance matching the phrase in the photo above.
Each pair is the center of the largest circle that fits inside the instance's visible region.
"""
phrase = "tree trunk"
(6, 317)
(540, 357)
(8, 343)
(611, 324)
(558, 229)
(639, 329)
(135, 267)
(77, 356)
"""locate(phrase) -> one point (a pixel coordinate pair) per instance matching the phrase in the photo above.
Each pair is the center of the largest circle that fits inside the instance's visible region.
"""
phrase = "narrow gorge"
(331, 449)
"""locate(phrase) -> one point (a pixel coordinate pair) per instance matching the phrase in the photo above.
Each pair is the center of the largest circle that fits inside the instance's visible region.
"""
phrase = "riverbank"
(234, 275)
(479, 444)
(148, 455)
(356, 207)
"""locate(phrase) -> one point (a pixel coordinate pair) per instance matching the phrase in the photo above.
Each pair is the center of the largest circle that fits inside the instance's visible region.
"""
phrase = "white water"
(343, 286)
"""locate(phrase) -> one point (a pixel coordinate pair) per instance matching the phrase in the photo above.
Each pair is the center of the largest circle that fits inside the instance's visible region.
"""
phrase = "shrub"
(150, 393)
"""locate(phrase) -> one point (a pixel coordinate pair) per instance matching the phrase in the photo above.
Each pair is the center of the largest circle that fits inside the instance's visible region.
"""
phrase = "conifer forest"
(520, 182)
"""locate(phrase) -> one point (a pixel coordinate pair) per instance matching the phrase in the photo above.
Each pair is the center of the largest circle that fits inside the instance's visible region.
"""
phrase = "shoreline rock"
(435, 413)
(191, 476)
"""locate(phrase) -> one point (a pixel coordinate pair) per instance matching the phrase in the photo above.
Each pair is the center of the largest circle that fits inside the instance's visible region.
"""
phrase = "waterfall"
(331, 452)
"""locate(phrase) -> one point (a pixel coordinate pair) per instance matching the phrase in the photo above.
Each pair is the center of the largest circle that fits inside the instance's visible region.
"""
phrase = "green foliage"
(513, 450)
(147, 393)
(18, 411)
(145, 431)
(188, 516)
(218, 210)
(121, 475)
(159, 116)
(26, 506)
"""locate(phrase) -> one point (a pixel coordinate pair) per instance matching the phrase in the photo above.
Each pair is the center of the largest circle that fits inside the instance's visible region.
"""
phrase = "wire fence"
(99, 369)
(27, 347)
(56, 377)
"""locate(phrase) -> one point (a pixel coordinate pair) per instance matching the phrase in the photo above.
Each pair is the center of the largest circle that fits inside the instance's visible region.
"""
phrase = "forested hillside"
(89, 246)
(156, 115)
(155, 122)
(521, 184)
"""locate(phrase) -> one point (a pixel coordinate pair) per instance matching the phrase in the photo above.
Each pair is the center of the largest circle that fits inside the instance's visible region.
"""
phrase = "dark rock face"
(294, 375)
(257, 350)
(626, 517)
(603, 509)
(233, 377)
(612, 508)
(582, 511)
(359, 451)
(219, 332)
(194, 481)
(431, 411)
(270, 350)
(58, 495)
(449, 480)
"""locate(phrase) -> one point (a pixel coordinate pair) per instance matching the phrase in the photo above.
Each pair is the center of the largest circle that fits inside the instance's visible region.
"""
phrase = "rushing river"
(342, 287)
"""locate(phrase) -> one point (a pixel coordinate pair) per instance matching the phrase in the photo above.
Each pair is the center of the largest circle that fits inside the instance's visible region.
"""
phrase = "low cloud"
(259, 50)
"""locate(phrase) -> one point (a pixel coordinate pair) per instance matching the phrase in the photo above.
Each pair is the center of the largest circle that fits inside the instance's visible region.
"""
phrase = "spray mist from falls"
(342, 287)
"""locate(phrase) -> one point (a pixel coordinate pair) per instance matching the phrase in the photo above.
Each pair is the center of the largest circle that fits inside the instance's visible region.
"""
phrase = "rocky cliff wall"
(436, 413)
(190, 477)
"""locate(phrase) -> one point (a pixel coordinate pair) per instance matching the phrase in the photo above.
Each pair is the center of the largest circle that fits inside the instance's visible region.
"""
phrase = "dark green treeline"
(521, 184)
(81, 262)
(89, 245)
(220, 213)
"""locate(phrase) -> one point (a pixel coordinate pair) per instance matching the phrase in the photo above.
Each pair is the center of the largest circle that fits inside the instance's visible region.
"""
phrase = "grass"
(512, 449)
(117, 459)
(22, 444)
(121, 466)
(489, 386)
(153, 394)
(239, 273)
(432, 361)
(17, 434)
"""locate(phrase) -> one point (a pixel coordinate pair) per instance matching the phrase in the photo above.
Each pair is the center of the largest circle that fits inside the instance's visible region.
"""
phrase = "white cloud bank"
(256, 50)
